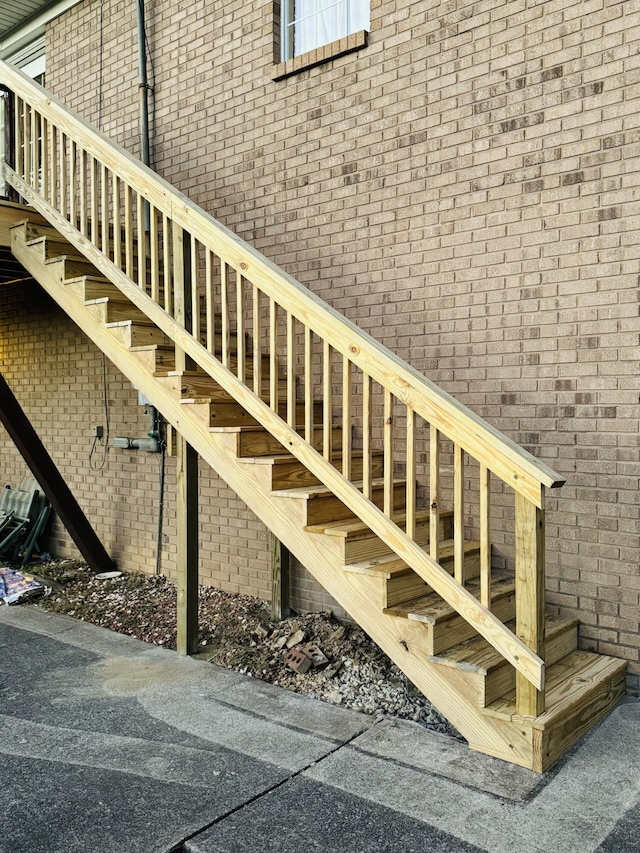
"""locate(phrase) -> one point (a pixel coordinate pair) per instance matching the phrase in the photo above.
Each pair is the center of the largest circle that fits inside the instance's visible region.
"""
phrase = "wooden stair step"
(257, 441)
(94, 286)
(55, 248)
(401, 583)
(359, 543)
(498, 676)
(289, 473)
(447, 627)
(138, 334)
(572, 685)
(322, 504)
(230, 413)
(117, 310)
(197, 384)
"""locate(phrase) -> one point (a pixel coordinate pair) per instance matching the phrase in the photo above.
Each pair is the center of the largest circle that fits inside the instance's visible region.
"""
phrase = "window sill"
(349, 44)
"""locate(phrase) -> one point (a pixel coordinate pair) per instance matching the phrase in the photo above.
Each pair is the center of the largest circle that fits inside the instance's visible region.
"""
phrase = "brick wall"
(57, 374)
(465, 188)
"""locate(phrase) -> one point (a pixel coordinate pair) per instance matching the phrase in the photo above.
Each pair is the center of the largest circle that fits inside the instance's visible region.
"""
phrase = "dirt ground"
(237, 632)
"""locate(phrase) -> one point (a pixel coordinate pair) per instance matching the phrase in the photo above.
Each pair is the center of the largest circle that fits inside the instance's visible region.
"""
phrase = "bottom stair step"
(497, 676)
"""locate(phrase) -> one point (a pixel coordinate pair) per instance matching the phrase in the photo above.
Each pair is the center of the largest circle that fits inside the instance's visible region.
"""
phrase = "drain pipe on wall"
(143, 84)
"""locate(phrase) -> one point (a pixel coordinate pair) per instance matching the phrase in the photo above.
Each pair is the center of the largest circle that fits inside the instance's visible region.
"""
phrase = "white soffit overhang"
(23, 22)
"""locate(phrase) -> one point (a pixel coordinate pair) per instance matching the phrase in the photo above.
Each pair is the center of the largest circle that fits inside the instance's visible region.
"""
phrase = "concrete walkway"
(109, 744)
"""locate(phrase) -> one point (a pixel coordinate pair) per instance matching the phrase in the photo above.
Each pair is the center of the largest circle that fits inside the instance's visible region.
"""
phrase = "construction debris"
(298, 661)
(16, 586)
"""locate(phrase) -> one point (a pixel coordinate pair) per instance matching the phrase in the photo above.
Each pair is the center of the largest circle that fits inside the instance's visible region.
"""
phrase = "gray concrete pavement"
(108, 744)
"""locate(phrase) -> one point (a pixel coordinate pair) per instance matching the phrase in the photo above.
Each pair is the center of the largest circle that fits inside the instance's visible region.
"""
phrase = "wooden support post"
(51, 481)
(280, 565)
(187, 518)
(530, 592)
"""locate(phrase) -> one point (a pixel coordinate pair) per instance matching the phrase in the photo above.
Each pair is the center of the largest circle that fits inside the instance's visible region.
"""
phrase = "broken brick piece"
(298, 661)
(317, 656)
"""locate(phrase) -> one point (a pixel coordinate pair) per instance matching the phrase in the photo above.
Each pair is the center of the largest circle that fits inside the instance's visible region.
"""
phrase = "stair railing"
(204, 287)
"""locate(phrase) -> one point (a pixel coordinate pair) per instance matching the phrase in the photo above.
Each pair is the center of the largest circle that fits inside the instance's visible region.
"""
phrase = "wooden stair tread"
(349, 527)
(478, 655)
(391, 565)
(286, 459)
(311, 492)
(568, 683)
(432, 608)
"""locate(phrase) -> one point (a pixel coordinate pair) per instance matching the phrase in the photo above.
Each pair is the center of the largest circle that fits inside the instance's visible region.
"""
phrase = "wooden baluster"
(387, 443)
(64, 175)
(82, 169)
(434, 494)
(291, 372)
(155, 256)
(195, 291)
(485, 537)
(327, 394)
(411, 474)
(33, 149)
(167, 269)
(224, 305)
(128, 231)
(104, 210)
(117, 224)
(530, 593)
(73, 183)
(458, 514)
(45, 177)
(273, 355)
(257, 343)
(367, 458)
(94, 199)
(240, 346)
(142, 243)
(308, 386)
(26, 136)
(18, 131)
(210, 302)
(346, 419)
(179, 282)
(53, 165)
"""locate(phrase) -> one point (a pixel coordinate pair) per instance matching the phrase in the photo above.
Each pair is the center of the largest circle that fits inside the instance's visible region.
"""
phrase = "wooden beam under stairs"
(424, 636)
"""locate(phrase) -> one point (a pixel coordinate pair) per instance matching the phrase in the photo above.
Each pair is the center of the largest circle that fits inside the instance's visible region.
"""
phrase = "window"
(309, 24)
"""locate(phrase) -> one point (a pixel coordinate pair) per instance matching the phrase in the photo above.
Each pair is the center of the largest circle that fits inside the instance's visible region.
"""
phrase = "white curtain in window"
(319, 22)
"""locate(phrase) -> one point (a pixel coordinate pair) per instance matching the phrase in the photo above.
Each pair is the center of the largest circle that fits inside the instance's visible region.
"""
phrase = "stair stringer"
(451, 691)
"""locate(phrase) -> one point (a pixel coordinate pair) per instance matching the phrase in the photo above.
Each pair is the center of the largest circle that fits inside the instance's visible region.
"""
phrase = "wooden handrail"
(495, 452)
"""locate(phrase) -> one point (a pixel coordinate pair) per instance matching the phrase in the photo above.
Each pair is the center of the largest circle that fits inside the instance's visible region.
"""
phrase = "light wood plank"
(327, 401)
(224, 308)
(273, 355)
(187, 547)
(458, 512)
(117, 222)
(64, 175)
(308, 385)
(387, 445)
(210, 302)
(530, 591)
(141, 243)
(240, 337)
(411, 473)
(154, 257)
(366, 436)
(434, 492)
(94, 200)
(280, 579)
(128, 231)
(291, 371)
(104, 215)
(179, 283)
(346, 418)
(82, 191)
(166, 265)
(485, 536)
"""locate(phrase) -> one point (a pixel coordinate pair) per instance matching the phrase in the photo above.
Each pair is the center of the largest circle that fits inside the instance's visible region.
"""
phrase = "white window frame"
(354, 14)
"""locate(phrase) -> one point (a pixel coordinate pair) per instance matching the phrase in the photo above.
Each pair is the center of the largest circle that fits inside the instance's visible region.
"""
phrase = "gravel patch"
(237, 632)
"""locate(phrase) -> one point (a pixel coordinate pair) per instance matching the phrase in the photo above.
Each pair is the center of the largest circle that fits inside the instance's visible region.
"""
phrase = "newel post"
(530, 596)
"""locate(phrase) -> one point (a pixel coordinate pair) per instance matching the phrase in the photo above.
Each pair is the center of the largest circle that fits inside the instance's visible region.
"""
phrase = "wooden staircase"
(273, 389)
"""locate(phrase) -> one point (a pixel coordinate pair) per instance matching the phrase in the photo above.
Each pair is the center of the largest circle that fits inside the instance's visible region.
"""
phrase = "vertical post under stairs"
(187, 518)
(280, 565)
